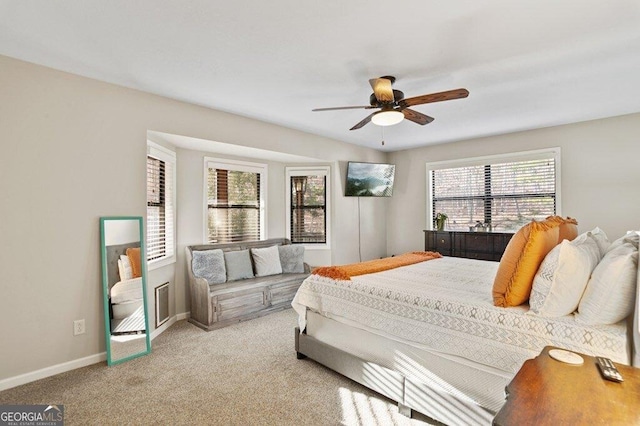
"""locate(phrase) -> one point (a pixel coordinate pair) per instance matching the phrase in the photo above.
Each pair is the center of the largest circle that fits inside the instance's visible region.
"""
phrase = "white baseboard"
(158, 331)
(43, 373)
(22, 379)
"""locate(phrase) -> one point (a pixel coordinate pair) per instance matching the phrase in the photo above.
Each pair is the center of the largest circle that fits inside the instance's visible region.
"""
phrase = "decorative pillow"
(124, 268)
(563, 276)
(238, 265)
(601, 239)
(520, 262)
(610, 294)
(209, 264)
(292, 258)
(134, 257)
(267, 261)
(568, 227)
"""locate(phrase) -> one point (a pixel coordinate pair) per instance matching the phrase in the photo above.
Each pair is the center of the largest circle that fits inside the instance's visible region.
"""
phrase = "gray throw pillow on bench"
(291, 258)
(238, 264)
(209, 264)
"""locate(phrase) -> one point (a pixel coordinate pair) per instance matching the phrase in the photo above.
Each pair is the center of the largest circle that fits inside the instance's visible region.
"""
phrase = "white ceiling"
(527, 63)
(227, 148)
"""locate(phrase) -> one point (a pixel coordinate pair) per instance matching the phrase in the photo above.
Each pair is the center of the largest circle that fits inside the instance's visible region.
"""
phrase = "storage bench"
(218, 305)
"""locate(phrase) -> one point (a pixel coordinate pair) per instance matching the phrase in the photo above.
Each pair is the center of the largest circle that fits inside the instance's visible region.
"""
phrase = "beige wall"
(74, 149)
(599, 171)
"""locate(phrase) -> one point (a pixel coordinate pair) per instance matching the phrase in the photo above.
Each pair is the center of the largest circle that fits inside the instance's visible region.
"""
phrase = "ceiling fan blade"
(382, 89)
(434, 97)
(366, 120)
(417, 117)
(346, 107)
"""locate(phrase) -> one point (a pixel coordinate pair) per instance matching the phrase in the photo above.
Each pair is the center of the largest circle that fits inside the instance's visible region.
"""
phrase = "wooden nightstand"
(549, 392)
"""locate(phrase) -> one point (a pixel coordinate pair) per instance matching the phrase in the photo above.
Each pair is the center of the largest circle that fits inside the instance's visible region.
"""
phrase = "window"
(307, 206)
(235, 200)
(506, 191)
(160, 205)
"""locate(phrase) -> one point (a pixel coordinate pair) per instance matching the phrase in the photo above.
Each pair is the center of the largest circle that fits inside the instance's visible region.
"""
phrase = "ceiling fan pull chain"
(382, 128)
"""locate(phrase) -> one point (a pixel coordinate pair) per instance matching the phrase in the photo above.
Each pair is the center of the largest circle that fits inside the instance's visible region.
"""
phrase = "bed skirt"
(123, 310)
(441, 388)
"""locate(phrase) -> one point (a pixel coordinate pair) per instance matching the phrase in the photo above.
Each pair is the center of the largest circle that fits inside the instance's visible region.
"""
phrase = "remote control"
(608, 370)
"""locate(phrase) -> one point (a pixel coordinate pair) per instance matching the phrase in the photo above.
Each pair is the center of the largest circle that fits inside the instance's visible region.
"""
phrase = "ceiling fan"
(394, 107)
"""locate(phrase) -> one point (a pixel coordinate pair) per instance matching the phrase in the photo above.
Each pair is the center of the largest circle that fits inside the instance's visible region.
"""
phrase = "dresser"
(473, 245)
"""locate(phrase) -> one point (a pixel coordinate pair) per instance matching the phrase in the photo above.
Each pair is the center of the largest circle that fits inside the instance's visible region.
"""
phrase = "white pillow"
(611, 292)
(630, 237)
(266, 261)
(124, 268)
(601, 239)
(563, 276)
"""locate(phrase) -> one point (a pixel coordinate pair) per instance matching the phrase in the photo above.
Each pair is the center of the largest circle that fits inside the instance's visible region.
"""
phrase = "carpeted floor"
(245, 374)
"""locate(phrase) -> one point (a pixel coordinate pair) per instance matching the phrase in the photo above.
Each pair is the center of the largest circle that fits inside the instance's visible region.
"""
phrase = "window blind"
(308, 210)
(160, 208)
(233, 205)
(507, 195)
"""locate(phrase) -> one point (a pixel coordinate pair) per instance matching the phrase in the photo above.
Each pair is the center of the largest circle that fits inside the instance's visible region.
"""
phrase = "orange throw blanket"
(345, 272)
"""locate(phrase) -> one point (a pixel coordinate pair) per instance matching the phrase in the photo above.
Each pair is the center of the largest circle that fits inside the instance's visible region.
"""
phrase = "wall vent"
(162, 304)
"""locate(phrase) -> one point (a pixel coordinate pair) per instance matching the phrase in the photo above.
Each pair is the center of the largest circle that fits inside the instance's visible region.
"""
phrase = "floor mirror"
(124, 283)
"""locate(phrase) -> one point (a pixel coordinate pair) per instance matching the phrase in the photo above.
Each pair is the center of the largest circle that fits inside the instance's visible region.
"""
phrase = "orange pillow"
(520, 262)
(134, 257)
(568, 227)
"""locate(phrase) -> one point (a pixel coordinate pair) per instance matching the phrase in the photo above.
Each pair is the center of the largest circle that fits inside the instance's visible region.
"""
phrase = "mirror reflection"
(124, 284)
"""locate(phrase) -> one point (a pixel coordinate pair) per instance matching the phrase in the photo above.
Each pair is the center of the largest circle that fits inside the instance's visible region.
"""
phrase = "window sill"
(160, 263)
(314, 246)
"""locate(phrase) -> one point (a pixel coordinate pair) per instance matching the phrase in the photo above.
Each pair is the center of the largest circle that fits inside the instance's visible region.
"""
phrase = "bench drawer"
(236, 304)
(283, 293)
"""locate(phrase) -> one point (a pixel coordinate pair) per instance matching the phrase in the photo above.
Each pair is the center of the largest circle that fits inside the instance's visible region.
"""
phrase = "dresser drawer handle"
(442, 241)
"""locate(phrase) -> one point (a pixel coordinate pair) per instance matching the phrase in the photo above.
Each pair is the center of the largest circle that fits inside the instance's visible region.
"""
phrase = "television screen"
(369, 180)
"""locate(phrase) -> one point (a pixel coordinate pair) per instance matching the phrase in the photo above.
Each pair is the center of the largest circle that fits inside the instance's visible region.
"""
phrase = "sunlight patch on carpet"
(359, 409)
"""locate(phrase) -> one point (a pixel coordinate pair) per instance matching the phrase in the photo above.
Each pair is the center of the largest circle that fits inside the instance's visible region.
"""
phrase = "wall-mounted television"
(369, 179)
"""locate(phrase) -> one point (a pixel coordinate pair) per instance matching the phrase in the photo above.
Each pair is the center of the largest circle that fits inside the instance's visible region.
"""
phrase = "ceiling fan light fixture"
(387, 118)
(394, 107)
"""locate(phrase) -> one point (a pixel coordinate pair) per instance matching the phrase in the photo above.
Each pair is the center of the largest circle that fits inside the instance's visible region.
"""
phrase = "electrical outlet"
(78, 327)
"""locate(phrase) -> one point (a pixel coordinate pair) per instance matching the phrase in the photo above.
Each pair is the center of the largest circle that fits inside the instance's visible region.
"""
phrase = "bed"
(125, 292)
(428, 336)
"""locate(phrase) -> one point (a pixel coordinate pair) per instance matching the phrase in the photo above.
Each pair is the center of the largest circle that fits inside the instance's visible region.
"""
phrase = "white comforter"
(446, 304)
(126, 291)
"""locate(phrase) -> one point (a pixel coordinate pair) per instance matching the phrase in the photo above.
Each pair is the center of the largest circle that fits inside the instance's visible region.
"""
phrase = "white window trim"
(493, 159)
(308, 171)
(168, 156)
(242, 166)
